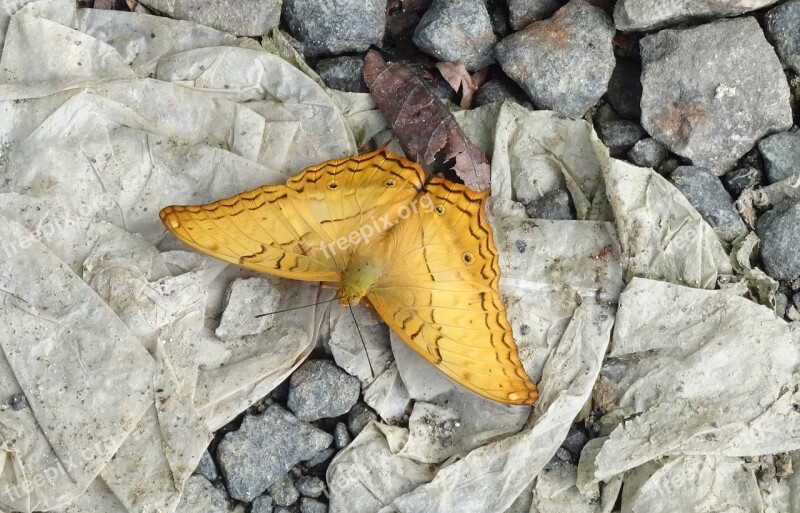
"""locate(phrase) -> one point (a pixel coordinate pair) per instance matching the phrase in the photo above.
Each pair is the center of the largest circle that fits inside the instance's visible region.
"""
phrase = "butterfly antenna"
(295, 308)
(371, 370)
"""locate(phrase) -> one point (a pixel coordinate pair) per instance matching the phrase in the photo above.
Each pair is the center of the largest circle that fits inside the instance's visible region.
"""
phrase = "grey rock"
(358, 417)
(343, 73)
(457, 31)
(644, 15)
(311, 506)
(737, 180)
(283, 491)
(341, 437)
(499, 90)
(779, 231)
(285, 510)
(522, 12)
(264, 448)
(331, 28)
(240, 17)
(705, 192)
(781, 304)
(574, 443)
(620, 136)
(796, 300)
(18, 402)
(207, 468)
(781, 153)
(554, 205)
(200, 496)
(262, 504)
(668, 166)
(783, 27)
(310, 486)
(625, 89)
(563, 63)
(710, 92)
(648, 153)
(563, 455)
(322, 458)
(319, 389)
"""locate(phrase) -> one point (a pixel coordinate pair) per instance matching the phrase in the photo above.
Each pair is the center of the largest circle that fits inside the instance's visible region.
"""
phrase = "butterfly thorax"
(359, 278)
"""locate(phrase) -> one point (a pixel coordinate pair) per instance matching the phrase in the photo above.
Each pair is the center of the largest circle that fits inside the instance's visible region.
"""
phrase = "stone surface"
(796, 300)
(310, 486)
(262, 504)
(781, 154)
(779, 231)
(625, 89)
(263, 450)
(574, 443)
(312, 506)
(457, 32)
(620, 136)
(710, 92)
(650, 14)
(322, 458)
(555, 205)
(341, 437)
(563, 63)
(283, 491)
(358, 417)
(522, 12)
(244, 300)
(207, 468)
(499, 90)
(737, 180)
(319, 389)
(200, 496)
(239, 17)
(331, 28)
(783, 27)
(648, 153)
(343, 73)
(705, 192)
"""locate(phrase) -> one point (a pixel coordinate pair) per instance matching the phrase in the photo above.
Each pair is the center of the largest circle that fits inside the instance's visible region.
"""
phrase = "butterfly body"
(420, 253)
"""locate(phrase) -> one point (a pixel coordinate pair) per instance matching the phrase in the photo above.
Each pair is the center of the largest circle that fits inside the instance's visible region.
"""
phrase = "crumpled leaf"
(459, 78)
(427, 131)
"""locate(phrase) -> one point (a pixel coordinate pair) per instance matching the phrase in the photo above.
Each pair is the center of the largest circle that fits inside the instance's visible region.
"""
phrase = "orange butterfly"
(421, 253)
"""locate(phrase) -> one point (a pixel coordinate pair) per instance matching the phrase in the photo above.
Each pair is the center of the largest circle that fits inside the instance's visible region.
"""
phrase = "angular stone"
(457, 32)
(312, 506)
(710, 92)
(343, 73)
(779, 231)
(781, 153)
(207, 468)
(200, 496)
(620, 136)
(283, 491)
(783, 26)
(554, 205)
(499, 90)
(263, 450)
(331, 28)
(522, 12)
(319, 389)
(705, 192)
(563, 63)
(644, 15)
(310, 486)
(262, 504)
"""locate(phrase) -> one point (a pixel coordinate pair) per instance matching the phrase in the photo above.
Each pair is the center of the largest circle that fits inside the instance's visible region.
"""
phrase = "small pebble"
(796, 300)
(783, 27)
(310, 486)
(563, 63)
(18, 402)
(319, 389)
(574, 443)
(332, 28)
(781, 304)
(738, 180)
(262, 504)
(200, 496)
(207, 468)
(705, 192)
(781, 154)
(555, 205)
(263, 450)
(522, 12)
(359, 416)
(668, 166)
(283, 492)
(648, 153)
(500, 90)
(457, 32)
(311, 506)
(620, 136)
(625, 89)
(698, 101)
(343, 73)
(341, 437)
(779, 231)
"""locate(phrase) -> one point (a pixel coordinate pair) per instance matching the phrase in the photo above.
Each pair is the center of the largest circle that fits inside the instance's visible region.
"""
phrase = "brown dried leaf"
(459, 79)
(423, 125)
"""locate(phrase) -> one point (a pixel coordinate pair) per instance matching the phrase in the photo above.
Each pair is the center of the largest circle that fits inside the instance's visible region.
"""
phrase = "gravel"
(331, 28)
(779, 231)
(625, 89)
(563, 63)
(648, 153)
(522, 12)
(343, 73)
(341, 437)
(310, 486)
(264, 448)
(207, 468)
(739, 179)
(709, 93)
(500, 90)
(620, 136)
(283, 491)
(359, 416)
(783, 27)
(644, 15)
(319, 389)
(312, 506)
(200, 496)
(781, 154)
(262, 504)
(554, 205)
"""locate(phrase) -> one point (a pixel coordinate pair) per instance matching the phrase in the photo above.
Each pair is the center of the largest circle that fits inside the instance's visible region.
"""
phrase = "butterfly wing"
(440, 294)
(308, 228)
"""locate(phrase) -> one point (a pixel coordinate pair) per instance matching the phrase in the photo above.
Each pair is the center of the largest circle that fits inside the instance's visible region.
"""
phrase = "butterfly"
(419, 252)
